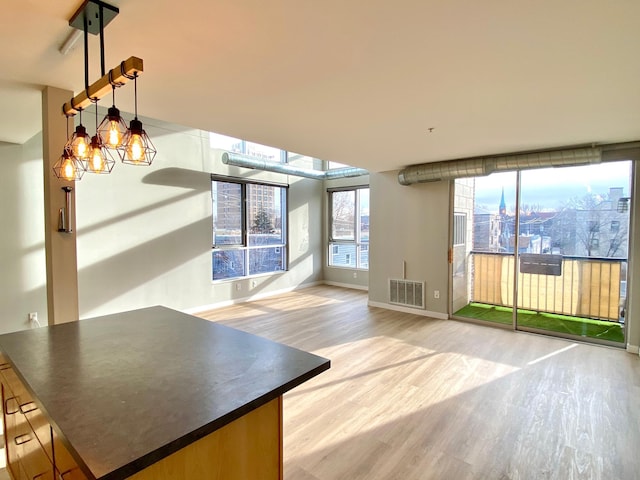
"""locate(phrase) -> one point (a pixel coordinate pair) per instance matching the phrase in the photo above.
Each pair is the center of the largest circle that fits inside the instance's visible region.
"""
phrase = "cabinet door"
(34, 459)
(32, 413)
(10, 410)
(29, 455)
(40, 426)
(65, 464)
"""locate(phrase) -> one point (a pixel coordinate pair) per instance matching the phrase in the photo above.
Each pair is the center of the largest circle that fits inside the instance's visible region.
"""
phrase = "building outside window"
(349, 229)
(249, 228)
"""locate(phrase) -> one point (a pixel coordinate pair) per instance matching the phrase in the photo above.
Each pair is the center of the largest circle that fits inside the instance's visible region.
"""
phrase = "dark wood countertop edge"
(152, 457)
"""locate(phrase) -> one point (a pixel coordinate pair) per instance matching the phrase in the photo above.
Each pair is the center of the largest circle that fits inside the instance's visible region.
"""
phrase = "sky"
(551, 187)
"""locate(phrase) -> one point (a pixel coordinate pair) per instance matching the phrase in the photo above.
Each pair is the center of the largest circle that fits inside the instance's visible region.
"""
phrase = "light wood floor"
(413, 398)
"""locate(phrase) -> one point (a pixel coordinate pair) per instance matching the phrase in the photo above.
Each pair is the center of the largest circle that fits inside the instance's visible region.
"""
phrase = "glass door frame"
(516, 270)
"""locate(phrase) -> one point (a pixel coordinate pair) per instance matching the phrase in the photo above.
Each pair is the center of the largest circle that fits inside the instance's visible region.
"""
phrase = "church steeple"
(503, 206)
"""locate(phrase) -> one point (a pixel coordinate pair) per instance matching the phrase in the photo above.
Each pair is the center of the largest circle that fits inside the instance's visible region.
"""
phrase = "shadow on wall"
(22, 256)
(179, 177)
(127, 270)
(137, 266)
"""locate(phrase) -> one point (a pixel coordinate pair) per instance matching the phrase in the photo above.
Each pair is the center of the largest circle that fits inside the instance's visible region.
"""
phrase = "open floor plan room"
(409, 397)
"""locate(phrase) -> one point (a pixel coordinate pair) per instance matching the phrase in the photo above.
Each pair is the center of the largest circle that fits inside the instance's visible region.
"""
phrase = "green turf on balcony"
(584, 327)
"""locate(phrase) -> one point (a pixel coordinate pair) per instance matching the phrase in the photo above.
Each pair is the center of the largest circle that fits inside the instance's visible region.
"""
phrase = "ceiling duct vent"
(476, 167)
(245, 161)
(406, 293)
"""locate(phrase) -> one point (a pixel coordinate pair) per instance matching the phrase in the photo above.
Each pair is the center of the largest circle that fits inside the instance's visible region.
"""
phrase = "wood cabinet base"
(249, 447)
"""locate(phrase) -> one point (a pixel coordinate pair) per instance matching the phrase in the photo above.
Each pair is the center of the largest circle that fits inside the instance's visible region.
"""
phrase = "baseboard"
(633, 348)
(257, 296)
(346, 285)
(415, 311)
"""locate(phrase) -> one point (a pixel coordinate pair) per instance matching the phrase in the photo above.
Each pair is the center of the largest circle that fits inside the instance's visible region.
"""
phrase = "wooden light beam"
(116, 76)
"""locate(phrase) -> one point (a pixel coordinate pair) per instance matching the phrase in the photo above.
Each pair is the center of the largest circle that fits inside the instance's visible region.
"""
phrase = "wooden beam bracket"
(116, 76)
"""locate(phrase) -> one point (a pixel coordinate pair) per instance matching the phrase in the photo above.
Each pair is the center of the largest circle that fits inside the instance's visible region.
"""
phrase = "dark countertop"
(128, 389)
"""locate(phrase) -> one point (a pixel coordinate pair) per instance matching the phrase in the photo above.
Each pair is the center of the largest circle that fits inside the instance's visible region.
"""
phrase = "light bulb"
(68, 169)
(97, 161)
(114, 137)
(138, 149)
(80, 143)
(81, 148)
(135, 148)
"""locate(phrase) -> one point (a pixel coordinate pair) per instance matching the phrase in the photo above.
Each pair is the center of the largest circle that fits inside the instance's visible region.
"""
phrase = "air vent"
(406, 293)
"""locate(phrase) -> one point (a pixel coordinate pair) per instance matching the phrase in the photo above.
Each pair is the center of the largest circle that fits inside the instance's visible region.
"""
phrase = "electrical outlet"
(436, 294)
(238, 286)
(355, 274)
(33, 319)
(253, 284)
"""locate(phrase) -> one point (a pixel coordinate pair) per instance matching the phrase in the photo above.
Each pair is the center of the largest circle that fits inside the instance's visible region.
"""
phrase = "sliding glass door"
(483, 258)
(556, 241)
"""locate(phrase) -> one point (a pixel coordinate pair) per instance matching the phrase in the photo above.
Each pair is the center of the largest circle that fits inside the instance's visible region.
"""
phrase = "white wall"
(409, 223)
(145, 233)
(22, 254)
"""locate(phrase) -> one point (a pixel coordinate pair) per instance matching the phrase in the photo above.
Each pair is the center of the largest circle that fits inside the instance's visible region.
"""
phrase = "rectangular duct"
(407, 293)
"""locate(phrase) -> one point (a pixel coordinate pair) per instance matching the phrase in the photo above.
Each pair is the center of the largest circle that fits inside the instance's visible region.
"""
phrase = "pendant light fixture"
(100, 159)
(137, 148)
(81, 152)
(113, 128)
(68, 167)
(79, 142)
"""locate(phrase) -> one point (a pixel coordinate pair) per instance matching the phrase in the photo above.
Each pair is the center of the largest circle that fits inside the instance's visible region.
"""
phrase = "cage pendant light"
(100, 160)
(137, 147)
(68, 167)
(79, 142)
(113, 128)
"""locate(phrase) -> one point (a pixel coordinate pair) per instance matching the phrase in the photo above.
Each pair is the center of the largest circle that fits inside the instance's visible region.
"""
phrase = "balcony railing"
(587, 287)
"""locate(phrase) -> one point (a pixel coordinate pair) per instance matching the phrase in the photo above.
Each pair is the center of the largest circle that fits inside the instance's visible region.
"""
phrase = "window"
(249, 228)
(256, 150)
(349, 229)
(459, 229)
(615, 226)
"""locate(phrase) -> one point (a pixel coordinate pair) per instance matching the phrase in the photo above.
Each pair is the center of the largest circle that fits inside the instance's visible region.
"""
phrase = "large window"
(349, 229)
(249, 228)
(252, 149)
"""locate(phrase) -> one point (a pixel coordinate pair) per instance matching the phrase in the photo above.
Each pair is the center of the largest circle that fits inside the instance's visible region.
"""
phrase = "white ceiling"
(359, 82)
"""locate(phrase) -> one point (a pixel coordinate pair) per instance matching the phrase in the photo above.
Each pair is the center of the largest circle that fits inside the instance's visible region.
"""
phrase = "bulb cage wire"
(137, 146)
(100, 160)
(67, 167)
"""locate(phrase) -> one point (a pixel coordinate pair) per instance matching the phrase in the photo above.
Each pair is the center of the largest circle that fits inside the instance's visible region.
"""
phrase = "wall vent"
(407, 293)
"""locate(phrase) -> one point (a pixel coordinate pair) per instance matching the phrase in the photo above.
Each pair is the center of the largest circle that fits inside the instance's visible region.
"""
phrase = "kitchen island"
(147, 394)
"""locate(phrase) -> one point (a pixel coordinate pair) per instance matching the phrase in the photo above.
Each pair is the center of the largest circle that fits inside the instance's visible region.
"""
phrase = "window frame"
(245, 245)
(357, 241)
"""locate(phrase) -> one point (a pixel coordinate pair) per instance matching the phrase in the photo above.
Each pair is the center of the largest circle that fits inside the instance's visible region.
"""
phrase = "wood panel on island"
(33, 450)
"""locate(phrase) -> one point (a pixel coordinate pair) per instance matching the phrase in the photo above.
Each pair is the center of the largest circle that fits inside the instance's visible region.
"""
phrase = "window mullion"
(244, 214)
(357, 228)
